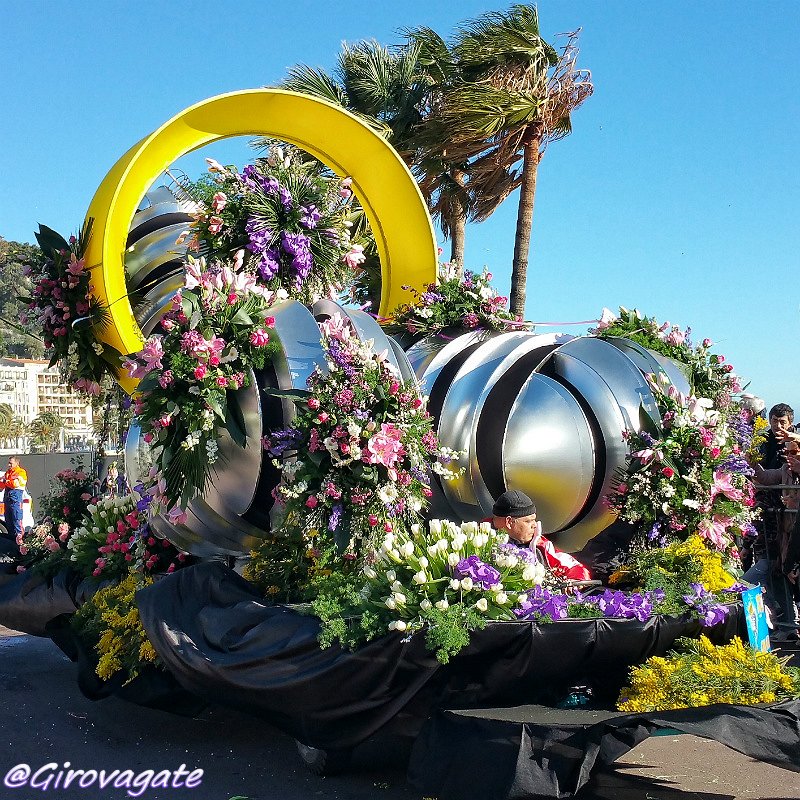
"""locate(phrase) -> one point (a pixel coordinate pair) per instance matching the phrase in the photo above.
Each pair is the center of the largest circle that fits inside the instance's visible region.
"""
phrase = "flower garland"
(63, 307)
(709, 375)
(689, 477)
(110, 620)
(703, 674)
(363, 444)
(291, 218)
(216, 331)
(115, 539)
(456, 300)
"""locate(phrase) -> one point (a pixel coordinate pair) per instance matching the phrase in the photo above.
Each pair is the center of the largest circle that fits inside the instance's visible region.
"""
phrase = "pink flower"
(388, 527)
(233, 298)
(607, 317)
(177, 516)
(86, 496)
(667, 472)
(323, 417)
(21, 568)
(165, 420)
(312, 403)
(222, 381)
(312, 502)
(715, 530)
(707, 343)
(215, 224)
(166, 378)
(63, 527)
(219, 201)
(167, 324)
(148, 437)
(385, 447)
(344, 188)
(259, 338)
(269, 322)
(355, 257)
(622, 488)
(373, 520)
(200, 371)
(722, 485)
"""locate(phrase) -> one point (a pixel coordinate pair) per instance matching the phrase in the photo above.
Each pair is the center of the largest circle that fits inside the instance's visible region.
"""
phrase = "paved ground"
(46, 719)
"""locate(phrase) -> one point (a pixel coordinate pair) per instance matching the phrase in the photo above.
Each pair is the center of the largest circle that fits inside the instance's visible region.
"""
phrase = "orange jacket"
(15, 478)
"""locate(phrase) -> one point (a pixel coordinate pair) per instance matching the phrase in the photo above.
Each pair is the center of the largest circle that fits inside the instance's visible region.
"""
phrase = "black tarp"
(222, 641)
(534, 752)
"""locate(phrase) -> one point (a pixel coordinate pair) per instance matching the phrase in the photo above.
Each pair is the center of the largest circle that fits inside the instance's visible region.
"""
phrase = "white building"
(31, 387)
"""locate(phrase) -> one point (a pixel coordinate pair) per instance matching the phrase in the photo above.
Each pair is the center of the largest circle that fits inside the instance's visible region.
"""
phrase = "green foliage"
(17, 259)
(447, 631)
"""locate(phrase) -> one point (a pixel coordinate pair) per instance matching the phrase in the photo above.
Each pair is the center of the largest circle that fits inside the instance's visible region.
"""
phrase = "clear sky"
(677, 193)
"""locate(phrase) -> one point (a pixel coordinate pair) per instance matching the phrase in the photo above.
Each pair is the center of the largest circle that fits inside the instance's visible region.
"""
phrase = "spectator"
(14, 482)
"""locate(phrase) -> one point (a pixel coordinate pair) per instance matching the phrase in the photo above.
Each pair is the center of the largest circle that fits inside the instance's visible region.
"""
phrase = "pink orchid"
(219, 201)
(722, 485)
(191, 278)
(215, 224)
(647, 455)
(715, 530)
(259, 338)
(607, 318)
(76, 267)
(152, 353)
(344, 190)
(385, 447)
(355, 257)
(134, 368)
(177, 516)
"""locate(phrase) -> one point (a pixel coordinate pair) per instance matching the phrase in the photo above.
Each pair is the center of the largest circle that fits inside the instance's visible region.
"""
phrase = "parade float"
(304, 538)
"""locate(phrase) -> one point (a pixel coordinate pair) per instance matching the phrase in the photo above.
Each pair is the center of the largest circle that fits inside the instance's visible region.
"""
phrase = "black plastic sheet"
(29, 601)
(534, 752)
(222, 641)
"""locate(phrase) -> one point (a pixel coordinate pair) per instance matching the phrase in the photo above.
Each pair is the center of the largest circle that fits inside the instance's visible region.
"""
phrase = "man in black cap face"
(515, 512)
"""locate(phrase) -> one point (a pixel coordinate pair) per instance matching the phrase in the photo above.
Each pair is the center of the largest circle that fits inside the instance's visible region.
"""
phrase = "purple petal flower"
(482, 574)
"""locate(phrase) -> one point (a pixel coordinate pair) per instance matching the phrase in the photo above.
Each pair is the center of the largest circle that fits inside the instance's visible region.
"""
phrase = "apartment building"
(30, 387)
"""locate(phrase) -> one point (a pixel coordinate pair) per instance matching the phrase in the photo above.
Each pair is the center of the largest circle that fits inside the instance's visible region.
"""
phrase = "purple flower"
(309, 216)
(541, 603)
(483, 575)
(335, 517)
(524, 554)
(297, 246)
(280, 441)
(258, 235)
(269, 265)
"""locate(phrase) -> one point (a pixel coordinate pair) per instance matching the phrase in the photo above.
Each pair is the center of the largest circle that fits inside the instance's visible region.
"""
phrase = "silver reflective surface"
(548, 451)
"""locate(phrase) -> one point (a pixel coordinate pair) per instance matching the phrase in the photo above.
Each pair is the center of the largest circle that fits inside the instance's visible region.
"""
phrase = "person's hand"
(787, 436)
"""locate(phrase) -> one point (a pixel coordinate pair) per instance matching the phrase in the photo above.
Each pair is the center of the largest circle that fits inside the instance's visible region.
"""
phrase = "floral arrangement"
(703, 674)
(110, 620)
(709, 375)
(444, 577)
(115, 539)
(457, 300)
(62, 508)
(216, 332)
(689, 477)
(291, 219)
(69, 316)
(355, 461)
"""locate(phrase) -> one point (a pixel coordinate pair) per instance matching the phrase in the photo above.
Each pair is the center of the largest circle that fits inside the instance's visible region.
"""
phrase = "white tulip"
(397, 586)
(420, 577)
(423, 562)
(466, 584)
(482, 605)
(399, 598)
(453, 559)
(391, 575)
(435, 527)
(397, 625)
(425, 605)
(501, 598)
(370, 573)
(407, 549)
(442, 605)
(455, 584)
(390, 603)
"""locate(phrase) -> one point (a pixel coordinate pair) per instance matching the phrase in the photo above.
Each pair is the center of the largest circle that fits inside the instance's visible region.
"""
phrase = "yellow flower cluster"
(123, 644)
(705, 674)
(714, 576)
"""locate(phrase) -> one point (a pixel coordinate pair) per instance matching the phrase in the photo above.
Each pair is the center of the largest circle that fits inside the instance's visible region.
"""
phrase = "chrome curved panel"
(648, 361)
(459, 416)
(613, 387)
(300, 349)
(430, 355)
(406, 372)
(549, 451)
(151, 251)
(237, 471)
(156, 303)
(160, 200)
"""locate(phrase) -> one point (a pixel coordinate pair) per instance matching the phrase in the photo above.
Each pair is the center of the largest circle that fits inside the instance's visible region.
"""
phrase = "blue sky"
(677, 193)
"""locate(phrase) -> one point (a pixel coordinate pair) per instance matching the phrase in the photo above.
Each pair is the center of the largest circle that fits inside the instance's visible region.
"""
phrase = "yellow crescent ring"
(382, 182)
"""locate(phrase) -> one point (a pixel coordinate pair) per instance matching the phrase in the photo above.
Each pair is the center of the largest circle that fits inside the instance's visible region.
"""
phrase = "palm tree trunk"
(458, 227)
(522, 241)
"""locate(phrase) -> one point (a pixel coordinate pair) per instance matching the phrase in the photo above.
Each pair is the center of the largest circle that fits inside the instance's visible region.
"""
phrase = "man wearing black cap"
(515, 512)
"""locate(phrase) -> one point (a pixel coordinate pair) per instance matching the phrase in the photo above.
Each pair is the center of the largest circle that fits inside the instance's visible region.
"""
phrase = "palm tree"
(393, 90)
(514, 96)
(6, 415)
(45, 430)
